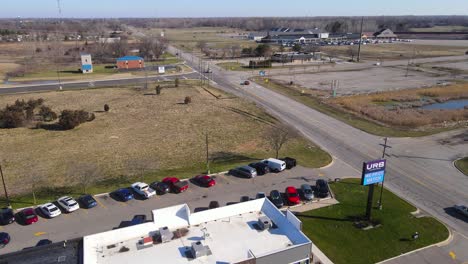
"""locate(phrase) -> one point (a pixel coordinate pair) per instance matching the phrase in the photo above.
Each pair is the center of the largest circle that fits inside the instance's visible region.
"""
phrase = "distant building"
(256, 36)
(130, 62)
(290, 36)
(288, 57)
(109, 40)
(385, 34)
(86, 63)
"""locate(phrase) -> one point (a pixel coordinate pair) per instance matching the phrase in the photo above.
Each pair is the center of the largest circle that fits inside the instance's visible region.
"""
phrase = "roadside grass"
(333, 230)
(98, 69)
(462, 165)
(347, 117)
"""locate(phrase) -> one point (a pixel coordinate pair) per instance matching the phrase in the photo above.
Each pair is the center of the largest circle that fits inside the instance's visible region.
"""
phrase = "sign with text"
(373, 172)
(161, 69)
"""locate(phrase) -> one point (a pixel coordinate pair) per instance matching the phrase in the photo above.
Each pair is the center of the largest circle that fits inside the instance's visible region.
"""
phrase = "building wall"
(86, 63)
(290, 255)
(131, 64)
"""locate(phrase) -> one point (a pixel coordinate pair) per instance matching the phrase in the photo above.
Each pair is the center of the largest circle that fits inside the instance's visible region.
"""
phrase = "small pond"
(449, 105)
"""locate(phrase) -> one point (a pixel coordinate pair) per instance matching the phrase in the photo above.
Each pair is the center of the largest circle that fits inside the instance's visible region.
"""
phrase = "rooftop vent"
(264, 223)
(166, 235)
(199, 250)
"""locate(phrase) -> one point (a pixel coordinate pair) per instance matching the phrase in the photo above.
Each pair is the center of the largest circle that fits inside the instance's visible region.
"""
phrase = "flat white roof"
(230, 232)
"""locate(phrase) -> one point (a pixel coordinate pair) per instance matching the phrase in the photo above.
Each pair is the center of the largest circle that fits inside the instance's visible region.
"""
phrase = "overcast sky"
(229, 8)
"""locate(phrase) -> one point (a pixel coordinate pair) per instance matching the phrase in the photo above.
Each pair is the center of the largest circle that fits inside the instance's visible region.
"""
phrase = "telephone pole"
(385, 147)
(207, 154)
(360, 40)
(5, 188)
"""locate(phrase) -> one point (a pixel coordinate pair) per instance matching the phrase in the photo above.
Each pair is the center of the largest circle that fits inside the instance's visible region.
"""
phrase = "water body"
(449, 105)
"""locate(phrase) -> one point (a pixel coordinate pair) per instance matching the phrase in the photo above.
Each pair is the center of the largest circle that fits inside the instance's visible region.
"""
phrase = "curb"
(456, 167)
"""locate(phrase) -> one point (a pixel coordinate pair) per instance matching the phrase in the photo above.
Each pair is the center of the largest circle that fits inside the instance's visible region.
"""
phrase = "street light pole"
(4, 187)
(385, 146)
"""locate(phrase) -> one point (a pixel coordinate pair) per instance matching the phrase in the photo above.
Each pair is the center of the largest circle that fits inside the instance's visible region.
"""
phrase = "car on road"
(138, 219)
(4, 239)
(175, 184)
(50, 210)
(321, 188)
(68, 204)
(260, 167)
(276, 199)
(87, 201)
(462, 209)
(290, 162)
(275, 165)
(243, 171)
(292, 196)
(143, 190)
(123, 194)
(307, 192)
(204, 180)
(6, 216)
(28, 216)
(260, 195)
(160, 187)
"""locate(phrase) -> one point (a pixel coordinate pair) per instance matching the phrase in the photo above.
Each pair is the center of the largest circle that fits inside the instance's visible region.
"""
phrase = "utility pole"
(385, 147)
(360, 40)
(207, 154)
(5, 188)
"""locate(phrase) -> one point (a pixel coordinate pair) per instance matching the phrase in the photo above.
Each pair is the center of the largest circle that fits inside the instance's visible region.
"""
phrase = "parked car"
(160, 187)
(260, 167)
(6, 216)
(123, 194)
(245, 83)
(204, 180)
(276, 199)
(292, 196)
(43, 242)
(143, 190)
(462, 209)
(244, 171)
(50, 210)
(138, 219)
(321, 188)
(290, 162)
(213, 204)
(307, 192)
(28, 216)
(275, 164)
(87, 201)
(68, 204)
(4, 239)
(244, 199)
(175, 184)
(260, 195)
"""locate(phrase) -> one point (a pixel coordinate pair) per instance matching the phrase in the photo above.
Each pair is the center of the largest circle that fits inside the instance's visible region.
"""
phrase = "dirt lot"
(141, 131)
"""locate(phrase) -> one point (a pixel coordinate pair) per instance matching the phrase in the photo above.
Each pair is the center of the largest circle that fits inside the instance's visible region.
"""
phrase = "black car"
(6, 216)
(138, 219)
(244, 171)
(43, 242)
(244, 199)
(160, 187)
(87, 201)
(260, 167)
(321, 188)
(4, 239)
(213, 204)
(290, 162)
(276, 199)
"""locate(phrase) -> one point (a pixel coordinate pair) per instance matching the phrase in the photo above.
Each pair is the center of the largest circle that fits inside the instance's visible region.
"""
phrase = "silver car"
(307, 192)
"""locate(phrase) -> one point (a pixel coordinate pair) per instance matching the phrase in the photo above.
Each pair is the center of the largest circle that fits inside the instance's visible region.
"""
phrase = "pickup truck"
(175, 184)
(143, 190)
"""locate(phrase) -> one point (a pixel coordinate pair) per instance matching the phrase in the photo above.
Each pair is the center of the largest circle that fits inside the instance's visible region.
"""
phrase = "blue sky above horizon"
(223, 8)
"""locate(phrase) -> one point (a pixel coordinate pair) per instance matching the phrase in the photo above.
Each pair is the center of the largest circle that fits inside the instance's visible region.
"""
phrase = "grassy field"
(142, 133)
(333, 229)
(462, 165)
(365, 124)
(397, 51)
(440, 29)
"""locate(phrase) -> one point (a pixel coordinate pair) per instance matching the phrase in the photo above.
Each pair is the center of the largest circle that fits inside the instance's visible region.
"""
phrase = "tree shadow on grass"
(229, 157)
(346, 219)
(51, 127)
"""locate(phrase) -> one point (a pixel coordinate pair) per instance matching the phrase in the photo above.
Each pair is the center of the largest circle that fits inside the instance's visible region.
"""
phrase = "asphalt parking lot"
(110, 213)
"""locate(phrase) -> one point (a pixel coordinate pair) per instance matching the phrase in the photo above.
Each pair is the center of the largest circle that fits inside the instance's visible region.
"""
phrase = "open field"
(462, 165)
(440, 29)
(141, 134)
(333, 229)
(398, 51)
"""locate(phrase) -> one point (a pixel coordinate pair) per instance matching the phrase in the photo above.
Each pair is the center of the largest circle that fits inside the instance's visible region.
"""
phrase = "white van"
(275, 164)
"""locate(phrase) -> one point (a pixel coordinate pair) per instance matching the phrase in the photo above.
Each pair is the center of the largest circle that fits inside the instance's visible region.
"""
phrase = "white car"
(50, 210)
(68, 204)
(143, 189)
(275, 164)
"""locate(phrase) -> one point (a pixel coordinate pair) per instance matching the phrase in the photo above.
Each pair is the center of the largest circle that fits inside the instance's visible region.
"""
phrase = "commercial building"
(289, 57)
(385, 34)
(130, 62)
(287, 36)
(86, 63)
(249, 232)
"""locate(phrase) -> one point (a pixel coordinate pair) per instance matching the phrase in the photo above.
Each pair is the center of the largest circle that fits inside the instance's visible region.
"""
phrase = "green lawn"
(333, 231)
(349, 118)
(462, 165)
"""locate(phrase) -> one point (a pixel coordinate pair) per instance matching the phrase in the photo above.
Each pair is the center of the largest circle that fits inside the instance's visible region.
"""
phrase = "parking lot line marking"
(97, 200)
(321, 174)
(39, 233)
(1, 227)
(123, 204)
(452, 254)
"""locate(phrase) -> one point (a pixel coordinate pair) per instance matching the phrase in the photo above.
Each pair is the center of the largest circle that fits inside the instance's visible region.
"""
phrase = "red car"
(204, 180)
(28, 216)
(175, 184)
(292, 196)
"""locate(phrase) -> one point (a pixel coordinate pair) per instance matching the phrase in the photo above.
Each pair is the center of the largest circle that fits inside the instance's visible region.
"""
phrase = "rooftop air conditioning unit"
(166, 234)
(264, 223)
(199, 250)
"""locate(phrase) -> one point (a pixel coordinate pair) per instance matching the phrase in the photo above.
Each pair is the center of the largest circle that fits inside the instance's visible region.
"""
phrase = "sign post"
(372, 172)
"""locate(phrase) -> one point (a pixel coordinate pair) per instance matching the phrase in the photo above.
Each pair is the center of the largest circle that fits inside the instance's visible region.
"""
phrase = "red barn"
(130, 62)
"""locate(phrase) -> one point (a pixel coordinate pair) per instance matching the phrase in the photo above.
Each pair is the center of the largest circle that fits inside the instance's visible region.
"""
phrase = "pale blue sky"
(233, 8)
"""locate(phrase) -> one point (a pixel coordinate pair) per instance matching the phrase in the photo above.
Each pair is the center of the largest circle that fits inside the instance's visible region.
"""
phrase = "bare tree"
(152, 48)
(119, 48)
(279, 135)
(85, 173)
(352, 52)
(139, 165)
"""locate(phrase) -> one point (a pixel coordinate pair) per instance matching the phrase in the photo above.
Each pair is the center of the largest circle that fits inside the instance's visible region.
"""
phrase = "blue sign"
(373, 172)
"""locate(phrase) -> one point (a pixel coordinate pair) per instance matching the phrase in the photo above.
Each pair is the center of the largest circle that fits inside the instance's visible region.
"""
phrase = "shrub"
(158, 89)
(11, 118)
(188, 100)
(106, 108)
(176, 82)
(70, 119)
(47, 114)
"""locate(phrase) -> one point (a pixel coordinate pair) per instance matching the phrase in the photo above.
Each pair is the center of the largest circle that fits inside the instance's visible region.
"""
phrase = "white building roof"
(230, 232)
